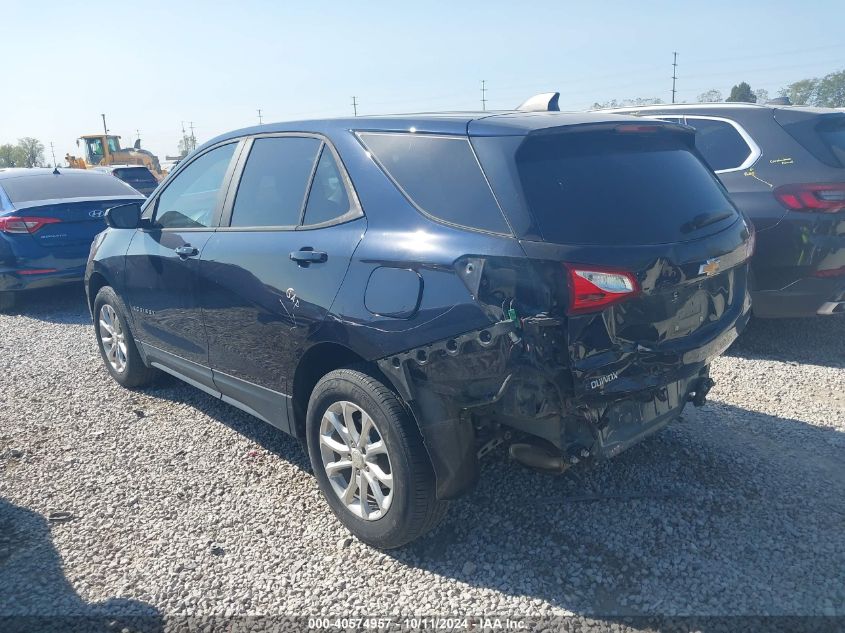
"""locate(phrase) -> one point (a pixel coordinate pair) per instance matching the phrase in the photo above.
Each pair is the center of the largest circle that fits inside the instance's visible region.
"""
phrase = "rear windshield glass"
(135, 174)
(822, 136)
(65, 185)
(441, 176)
(833, 135)
(612, 188)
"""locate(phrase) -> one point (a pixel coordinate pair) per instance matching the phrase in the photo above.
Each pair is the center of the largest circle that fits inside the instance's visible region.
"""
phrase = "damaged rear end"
(633, 279)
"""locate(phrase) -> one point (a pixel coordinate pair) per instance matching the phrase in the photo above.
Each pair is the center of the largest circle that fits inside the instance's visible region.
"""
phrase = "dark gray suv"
(784, 166)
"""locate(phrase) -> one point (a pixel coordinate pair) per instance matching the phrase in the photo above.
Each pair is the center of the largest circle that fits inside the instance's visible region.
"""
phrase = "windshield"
(619, 188)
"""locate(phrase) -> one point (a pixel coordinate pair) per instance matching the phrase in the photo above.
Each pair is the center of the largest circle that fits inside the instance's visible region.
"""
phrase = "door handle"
(186, 250)
(307, 256)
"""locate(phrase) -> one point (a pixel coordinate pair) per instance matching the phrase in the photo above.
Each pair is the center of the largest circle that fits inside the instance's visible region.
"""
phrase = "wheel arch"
(96, 282)
(315, 363)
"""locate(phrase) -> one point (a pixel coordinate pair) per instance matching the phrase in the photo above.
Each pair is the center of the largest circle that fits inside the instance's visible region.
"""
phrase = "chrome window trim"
(754, 149)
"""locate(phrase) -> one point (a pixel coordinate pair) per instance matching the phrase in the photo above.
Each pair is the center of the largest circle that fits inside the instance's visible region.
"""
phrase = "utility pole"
(355, 105)
(260, 120)
(105, 129)
(674, 73)
(53, 151)
(483, 95)
(193, 137)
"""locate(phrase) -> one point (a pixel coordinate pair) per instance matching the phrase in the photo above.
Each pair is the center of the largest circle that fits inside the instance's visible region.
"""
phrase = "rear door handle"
(307, 256)
(186, 250)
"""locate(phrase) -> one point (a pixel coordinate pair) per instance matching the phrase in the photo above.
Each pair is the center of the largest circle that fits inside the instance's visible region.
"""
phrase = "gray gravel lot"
(180, 504)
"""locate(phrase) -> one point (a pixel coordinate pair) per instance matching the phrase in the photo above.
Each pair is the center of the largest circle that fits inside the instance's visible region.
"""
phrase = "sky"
(150, 66)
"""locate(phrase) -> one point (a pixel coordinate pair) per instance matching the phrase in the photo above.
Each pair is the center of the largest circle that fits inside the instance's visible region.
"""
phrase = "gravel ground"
(166, 501)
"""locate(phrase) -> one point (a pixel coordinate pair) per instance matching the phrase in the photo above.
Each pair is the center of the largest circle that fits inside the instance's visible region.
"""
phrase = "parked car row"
(784, 168)
(406, 293)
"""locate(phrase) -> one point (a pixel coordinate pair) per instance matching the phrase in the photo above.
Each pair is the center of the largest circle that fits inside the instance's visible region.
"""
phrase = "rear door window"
(440, 176)
(190, 199)
(272, 189)
(611, 188)
(328, 199)
(720, 143)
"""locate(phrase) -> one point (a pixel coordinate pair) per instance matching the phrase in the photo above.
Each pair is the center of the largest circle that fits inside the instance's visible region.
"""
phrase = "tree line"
(28, 152)
(827, 91)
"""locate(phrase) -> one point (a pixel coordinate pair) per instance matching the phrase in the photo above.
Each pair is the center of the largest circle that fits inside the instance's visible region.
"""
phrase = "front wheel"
(369, 460)
(117, 347)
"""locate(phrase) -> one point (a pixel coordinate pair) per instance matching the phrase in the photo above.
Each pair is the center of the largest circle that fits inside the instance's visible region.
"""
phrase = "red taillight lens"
(592, 289)
(19, 224)
(821, 197)
(830, 272)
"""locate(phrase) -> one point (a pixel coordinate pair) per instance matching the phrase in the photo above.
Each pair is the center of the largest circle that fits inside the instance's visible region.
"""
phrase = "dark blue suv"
(406, 293)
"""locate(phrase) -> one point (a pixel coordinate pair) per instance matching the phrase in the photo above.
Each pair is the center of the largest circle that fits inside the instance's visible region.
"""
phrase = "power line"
(355, 105)
(483, 95)
(674, 73)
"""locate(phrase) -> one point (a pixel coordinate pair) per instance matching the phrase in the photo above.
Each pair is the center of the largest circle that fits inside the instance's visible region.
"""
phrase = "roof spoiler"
(543, 102)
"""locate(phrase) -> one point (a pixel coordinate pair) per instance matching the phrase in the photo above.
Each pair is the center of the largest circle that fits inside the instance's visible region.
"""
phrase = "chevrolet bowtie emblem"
(710, 267)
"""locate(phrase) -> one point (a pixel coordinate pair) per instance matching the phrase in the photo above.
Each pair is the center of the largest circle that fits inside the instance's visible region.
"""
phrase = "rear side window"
(611, 188)
(272, 188)
(135, 175)
(64, 185)
(441, 176)
(327, 199)
(720, 143)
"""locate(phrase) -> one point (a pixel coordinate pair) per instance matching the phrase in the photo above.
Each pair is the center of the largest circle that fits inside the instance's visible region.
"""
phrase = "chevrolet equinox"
(406, 293)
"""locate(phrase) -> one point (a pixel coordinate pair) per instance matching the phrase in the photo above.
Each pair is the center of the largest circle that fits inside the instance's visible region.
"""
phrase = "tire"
(7, 301)
(412, 509)
(123, 361)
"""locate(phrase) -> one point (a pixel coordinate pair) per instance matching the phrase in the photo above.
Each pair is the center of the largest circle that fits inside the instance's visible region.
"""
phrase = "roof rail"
(543, 102)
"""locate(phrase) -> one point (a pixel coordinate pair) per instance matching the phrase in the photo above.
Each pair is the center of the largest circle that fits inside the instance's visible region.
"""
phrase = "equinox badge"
(710, 267)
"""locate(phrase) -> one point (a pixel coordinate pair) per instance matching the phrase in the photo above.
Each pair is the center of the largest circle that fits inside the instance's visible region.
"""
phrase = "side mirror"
(124, 216)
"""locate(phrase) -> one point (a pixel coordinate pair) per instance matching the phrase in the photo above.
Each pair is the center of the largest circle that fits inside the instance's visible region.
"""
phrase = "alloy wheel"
(113, 338)
(356, 460)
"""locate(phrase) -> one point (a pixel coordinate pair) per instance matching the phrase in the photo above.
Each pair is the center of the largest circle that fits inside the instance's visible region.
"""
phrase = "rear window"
(135, 175)
(441, 176)
(822, 136)
(832, 133)
(64, 185)
(612, 188)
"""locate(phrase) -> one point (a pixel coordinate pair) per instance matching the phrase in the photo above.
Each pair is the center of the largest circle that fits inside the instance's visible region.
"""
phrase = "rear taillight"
(592, 288)
(19, 224)
(830, 272)
(820, 197)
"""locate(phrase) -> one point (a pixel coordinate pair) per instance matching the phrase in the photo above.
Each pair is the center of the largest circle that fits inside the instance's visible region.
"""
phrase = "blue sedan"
(48, 219)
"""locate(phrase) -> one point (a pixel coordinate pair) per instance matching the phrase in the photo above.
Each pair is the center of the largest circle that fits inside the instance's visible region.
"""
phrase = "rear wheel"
(370, 461)
(7, 301)
(117, 347)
